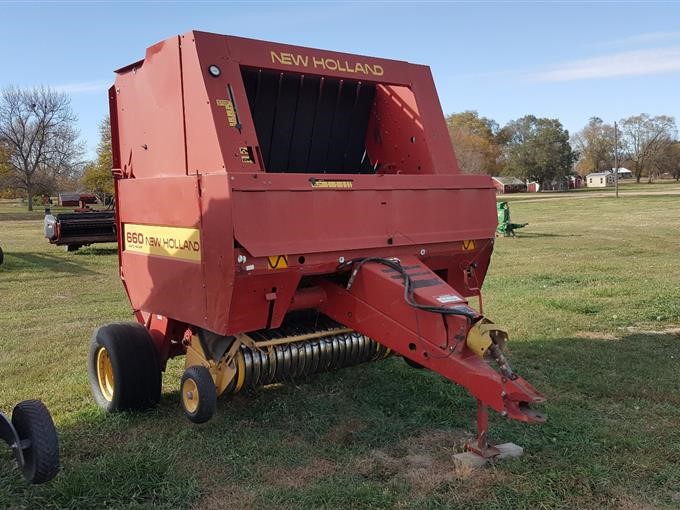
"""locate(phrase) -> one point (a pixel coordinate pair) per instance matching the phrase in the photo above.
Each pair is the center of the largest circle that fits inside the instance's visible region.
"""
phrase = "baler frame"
(272, 182)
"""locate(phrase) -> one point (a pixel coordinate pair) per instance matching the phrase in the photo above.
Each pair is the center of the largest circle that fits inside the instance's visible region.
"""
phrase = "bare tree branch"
(37, 127)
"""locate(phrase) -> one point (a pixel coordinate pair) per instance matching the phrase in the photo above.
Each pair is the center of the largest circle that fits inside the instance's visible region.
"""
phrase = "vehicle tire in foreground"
(123, 368)
(198, 394)
(33, 424)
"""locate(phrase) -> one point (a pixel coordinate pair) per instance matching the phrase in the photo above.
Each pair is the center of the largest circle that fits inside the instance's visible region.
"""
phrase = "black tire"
(135, 377)
(197, 386)
(2, 256)
(71, 247)
(413, 364)
(33, 422)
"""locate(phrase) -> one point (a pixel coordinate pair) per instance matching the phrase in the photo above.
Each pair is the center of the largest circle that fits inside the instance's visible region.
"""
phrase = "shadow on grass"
(613, 408)
(542, 234)
(96, 251)
(51, 263)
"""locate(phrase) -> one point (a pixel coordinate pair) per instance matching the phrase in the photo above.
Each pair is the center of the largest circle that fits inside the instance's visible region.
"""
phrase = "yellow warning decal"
(231, 113)
(327, 183)
(176, 242)
(469, 245)
(277, 262)
(246, 154)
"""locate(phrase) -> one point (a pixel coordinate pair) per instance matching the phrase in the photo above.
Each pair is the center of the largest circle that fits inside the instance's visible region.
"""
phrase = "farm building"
(533, 187)
(600, 180)
(575, 181)
(624, 173)
(509, 185)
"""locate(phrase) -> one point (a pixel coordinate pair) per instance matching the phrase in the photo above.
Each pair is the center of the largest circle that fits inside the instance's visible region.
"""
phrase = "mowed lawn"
(590, 292)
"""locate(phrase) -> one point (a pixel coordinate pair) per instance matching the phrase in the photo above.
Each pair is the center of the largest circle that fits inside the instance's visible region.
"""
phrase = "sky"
(565, 60)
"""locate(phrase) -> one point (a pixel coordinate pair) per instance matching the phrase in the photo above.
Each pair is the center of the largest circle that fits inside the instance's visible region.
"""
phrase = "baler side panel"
(436, 132)
(213, 143)
(218, 251)
(169, 286)
(396, 140)
(151, 138)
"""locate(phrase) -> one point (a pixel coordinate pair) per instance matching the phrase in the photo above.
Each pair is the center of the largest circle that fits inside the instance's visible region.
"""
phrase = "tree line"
(541, 149)
(41, 153)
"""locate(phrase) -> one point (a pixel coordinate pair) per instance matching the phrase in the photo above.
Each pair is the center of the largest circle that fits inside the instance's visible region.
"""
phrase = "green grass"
(590, 292)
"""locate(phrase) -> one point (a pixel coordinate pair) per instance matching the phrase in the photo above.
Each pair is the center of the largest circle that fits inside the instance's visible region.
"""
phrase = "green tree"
(474, 140)
(537, 149)
(97, 177)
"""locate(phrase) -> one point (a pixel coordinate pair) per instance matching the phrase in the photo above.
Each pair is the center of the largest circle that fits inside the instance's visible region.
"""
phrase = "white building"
(600, 180)
(624, 173)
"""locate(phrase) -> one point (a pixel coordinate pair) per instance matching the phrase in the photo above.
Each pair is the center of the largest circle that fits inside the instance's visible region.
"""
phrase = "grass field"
(590, 292)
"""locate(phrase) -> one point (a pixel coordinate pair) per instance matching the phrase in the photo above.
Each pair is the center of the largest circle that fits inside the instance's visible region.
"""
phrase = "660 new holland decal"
(176, 242)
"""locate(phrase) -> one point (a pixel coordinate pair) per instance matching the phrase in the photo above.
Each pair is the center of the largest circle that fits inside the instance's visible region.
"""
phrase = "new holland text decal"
(176, 242)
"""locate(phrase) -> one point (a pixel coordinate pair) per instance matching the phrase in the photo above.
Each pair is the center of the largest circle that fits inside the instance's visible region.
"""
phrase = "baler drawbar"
(283, 211)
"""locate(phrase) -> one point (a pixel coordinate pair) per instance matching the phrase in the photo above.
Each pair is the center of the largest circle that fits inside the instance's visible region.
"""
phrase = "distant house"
(624, 173)
(600, 180)
(509, 185)
(533, 187)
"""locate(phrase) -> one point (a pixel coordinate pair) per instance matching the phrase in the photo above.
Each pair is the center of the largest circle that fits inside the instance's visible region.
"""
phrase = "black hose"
(462, 310)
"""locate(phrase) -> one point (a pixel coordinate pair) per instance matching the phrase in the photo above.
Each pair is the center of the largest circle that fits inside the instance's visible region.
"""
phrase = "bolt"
(503, 394)
(423, 252)
(341, 260)
(504, 413)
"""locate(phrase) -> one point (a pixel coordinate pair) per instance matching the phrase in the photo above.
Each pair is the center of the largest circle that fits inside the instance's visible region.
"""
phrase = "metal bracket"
(9, 434)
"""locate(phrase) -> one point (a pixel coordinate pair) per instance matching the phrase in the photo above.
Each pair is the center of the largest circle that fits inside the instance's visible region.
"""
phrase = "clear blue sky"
(566, 60)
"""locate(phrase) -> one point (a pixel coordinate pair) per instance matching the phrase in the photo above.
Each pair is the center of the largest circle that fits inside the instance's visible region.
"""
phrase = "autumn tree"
(594, 145)
(97, 176)
(474, 140)
(644, 140)
(37, 126)
(537, 149)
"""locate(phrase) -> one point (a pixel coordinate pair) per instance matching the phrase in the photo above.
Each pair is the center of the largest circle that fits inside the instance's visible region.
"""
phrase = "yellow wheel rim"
(105, 374)
(190, 396)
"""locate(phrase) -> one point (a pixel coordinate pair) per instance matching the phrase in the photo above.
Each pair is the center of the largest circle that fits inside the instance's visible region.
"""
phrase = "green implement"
(505, 226)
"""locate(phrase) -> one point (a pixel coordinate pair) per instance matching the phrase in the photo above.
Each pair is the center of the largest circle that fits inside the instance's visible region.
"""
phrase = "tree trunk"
(29, 192)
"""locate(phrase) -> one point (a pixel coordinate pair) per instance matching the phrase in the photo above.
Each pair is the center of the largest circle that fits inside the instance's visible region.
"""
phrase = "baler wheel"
(199, 395)
(123, 368)
(33, 424)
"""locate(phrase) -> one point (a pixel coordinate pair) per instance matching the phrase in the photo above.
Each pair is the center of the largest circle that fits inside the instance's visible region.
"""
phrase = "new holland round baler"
(284, 211)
